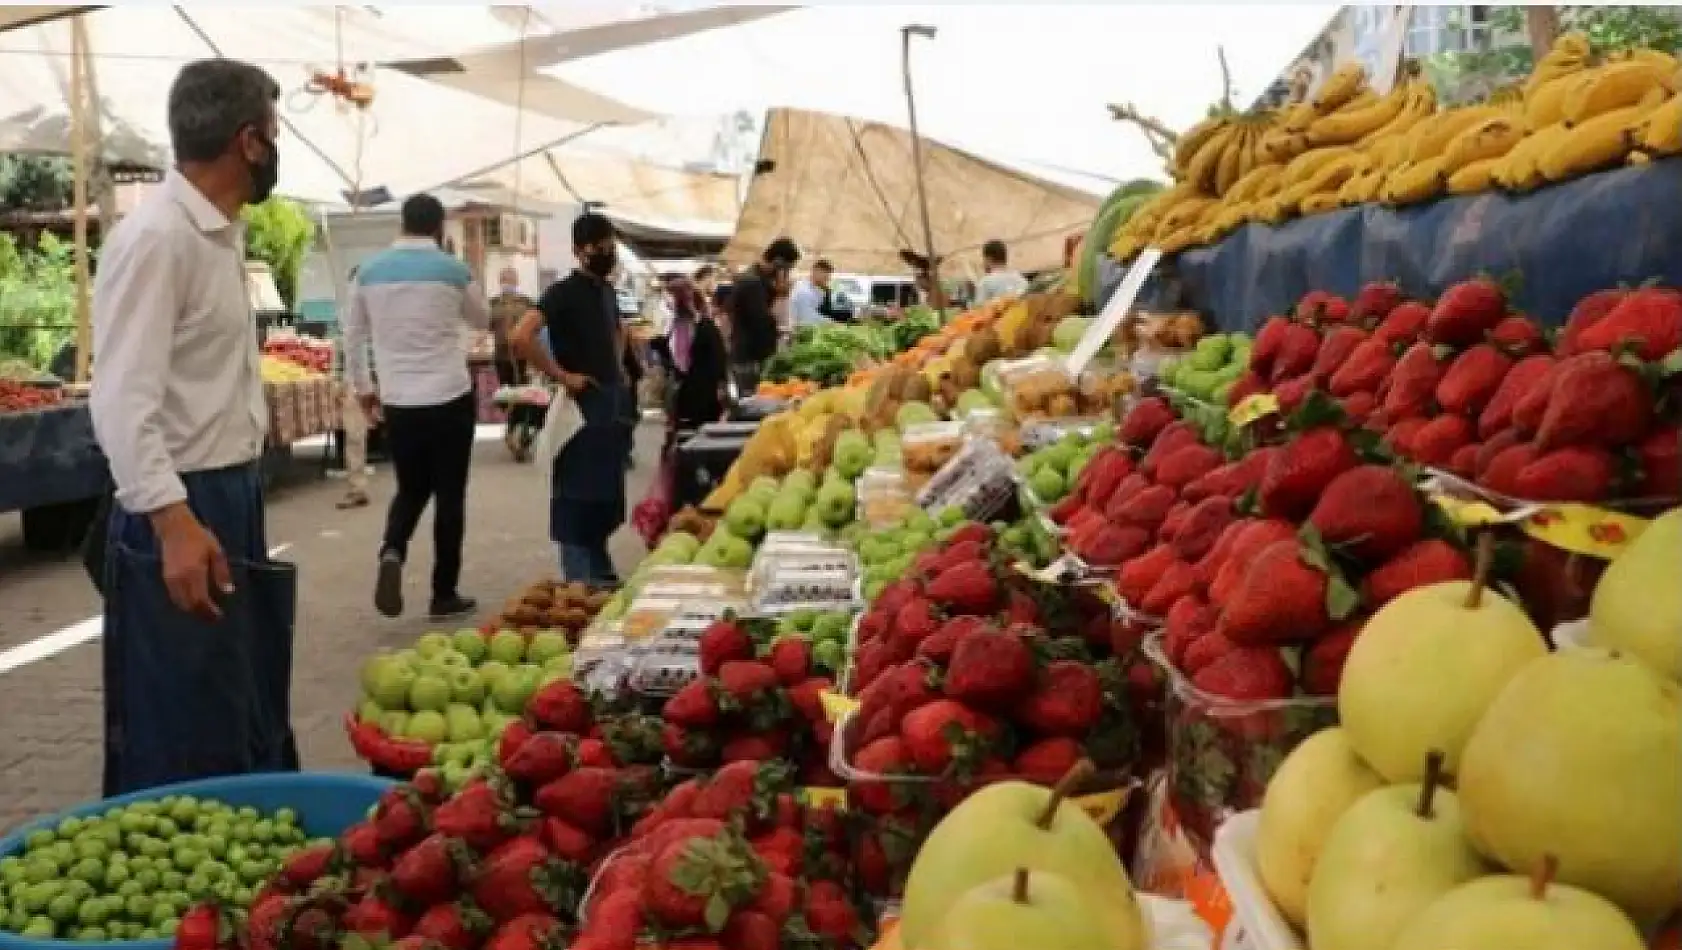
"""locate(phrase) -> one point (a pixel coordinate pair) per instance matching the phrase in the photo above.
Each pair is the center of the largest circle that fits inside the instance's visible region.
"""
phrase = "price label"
(835, 798)
(1584, 529)
(1253, 407)
(836, 706)
(1470, 513)
(1104, 807)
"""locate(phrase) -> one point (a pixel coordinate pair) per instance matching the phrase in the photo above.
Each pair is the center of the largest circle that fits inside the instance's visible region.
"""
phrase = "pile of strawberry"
(1467, 386)
(748, 708)
(966, 673)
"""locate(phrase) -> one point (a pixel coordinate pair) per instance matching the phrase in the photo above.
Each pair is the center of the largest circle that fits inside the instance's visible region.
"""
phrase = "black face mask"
(265, 174)
(601, 263)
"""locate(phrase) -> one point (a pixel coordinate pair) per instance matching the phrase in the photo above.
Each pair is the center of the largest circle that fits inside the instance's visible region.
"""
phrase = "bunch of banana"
(1600, 141)
(1214, 158)
(1617, 85)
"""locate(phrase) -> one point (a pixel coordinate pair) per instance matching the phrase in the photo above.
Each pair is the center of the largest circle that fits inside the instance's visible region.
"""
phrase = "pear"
(1581, 757)
(1637, 606)
(1389, 856)
(1010, 825)
(1505, 911)
(1426, 666)
(1312, 788)
(1026, 908)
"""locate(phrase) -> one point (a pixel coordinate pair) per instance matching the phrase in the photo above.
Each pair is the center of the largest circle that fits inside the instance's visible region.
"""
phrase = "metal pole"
(936, 294)
(79, 158)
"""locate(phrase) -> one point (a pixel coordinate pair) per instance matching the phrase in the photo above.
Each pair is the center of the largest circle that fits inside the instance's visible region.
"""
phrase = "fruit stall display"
(16, 396)
(306, 352)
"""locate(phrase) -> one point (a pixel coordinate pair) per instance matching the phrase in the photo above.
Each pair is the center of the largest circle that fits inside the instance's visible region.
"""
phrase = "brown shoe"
(353, 500)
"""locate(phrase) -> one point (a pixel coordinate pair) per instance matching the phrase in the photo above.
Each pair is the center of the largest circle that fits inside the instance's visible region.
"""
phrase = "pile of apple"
(444, 701)
(1469, 387)
(22, 397)
(1051, 471)
(1483, 793)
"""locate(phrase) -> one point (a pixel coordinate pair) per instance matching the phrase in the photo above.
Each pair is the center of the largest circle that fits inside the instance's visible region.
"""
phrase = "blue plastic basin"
(326, 802)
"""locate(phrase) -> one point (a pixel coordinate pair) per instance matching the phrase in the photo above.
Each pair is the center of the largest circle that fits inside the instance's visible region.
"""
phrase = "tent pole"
(79, 158)
(936, 295)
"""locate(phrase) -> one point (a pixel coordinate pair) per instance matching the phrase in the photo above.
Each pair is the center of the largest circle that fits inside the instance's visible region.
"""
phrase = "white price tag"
(1120, 303)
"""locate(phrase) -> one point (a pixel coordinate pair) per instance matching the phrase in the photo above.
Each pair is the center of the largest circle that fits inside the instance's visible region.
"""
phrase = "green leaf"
(1672, 364)
(1342, 600)
(1317, 409)
(717, 912)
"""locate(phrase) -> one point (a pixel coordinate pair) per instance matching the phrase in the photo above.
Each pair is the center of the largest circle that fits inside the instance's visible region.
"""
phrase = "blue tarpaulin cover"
(1564, 242)
(49, 456)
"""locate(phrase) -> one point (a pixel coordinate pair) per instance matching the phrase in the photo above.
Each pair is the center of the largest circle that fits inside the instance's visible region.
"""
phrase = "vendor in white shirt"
(811, 303)
(1000, 281)
(198, 628)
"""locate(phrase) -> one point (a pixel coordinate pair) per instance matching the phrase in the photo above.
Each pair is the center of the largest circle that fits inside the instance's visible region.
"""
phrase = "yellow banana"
(1226, 170)
(1420, 103)
(1183, 215)
(1415, 183)
(1245, 188)
(1638, 158)
(1518, 171)
(1200, 173)
(1609, 88)
(1430, 141)
(1344, 84)
(1545, 103)
(1472, 177)
(1303, 167)
(1350, 125)
(1193, 139)
(1354, 190)
(1298, 117)
(1663, 65)
(1491, 138)
(1318, 203)
(1589, 146)
(1270, 210)
(1331, 176)
(1661, 132)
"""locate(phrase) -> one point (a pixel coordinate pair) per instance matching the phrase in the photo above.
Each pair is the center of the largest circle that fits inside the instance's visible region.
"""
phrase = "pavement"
(50, 694)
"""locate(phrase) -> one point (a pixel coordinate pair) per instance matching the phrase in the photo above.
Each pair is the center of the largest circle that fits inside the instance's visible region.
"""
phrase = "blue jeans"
(588, 564)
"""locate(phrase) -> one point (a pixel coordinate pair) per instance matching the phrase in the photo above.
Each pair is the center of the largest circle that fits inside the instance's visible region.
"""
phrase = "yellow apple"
(1637, 606)
(1025, 909)
(1312, 788)
(1581, 757)
(1506, 912)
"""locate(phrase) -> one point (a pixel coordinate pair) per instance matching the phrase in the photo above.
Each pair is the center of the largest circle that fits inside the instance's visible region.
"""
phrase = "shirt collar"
(410, 241)
(206, 216)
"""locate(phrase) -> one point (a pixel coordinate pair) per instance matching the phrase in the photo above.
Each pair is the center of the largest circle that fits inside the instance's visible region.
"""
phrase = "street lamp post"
(906, 33)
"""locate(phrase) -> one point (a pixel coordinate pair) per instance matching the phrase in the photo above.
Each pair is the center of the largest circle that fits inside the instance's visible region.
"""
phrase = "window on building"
(1449, 29)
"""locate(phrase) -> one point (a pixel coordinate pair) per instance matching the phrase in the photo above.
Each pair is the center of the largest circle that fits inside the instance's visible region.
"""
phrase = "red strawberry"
(1358, 406)
(943, 730)
(401, 818)
(1247, 674)
(1648, 322)
(1661, 470)
(778, 898)
(1335, 351)
(1472, 379)
(1436, 442)
(897, 692)
(1487, 451)
(807, 697)
(543, 758)
(1269, 339)
(1297, 476)
(1115, 544)
(736, 788)
(967, 588)
(1180, 579)
(364, 846)
(759, 747)
(585, 797)
(722, 642)
(514, 736)
(1292, 393)
(478, 814)
(1065, 509)
(1189, 619)
(1413, 382)
(1464, 462)
(692, 707)
(915, 620)
(306, 866)
(1375, 300)
(1138, 575)
(568, 842)
(1595, 401)
(1322, 664)
(1146, 509)
(1203, 651)
(1430, 561)
(527, 932)
(1176, 435)
(1372, 510)
(1401, 435)
(1403, 325)
(1518, 382)
(1589, 311)
(1145, 421)
(829, 915)
(1501, 475)
(453, 926)
(895, 596)
(782, 850)
(1098, 480)
(373, 915)
(204, 927)
(885, 756)
(1256, 537)
(521, 877)
(990, 669)
(426, 873)
(743, 681)
(1297, 352)
(751, 931)
(791, 660)
(1518, 337)
(1048, 760)
(1282, 597)
(1172, 521)
(1067, 700)
(691, 748)
(692, 862)
(1465, 312)
(1247, 385)
(562, 707)
(1203, 526)
(1185, 465)
(615, 919)
(1575, 473)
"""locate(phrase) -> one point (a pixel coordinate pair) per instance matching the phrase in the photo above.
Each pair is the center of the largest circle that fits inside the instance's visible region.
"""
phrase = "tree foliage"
(279, 233)
(1505, 56)
(37, 298)
(35, 183)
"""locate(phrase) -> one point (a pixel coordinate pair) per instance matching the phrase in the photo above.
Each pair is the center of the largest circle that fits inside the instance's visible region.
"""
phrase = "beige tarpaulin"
(844, 190)
(691, 202)
(17, 17)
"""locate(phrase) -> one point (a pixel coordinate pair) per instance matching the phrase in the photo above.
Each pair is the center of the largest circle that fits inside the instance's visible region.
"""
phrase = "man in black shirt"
(581, 313)
(753, 330)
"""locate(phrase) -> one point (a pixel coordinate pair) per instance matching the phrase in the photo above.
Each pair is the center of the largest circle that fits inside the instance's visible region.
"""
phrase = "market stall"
(51, 469)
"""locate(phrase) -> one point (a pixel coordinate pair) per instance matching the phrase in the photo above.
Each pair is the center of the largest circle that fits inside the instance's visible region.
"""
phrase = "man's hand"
(370, 403)
(576, 383)
(194, 567)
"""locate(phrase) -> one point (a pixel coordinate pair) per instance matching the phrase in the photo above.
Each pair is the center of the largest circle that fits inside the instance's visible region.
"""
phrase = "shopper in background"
(812, 302)
(354, 423)
(507, 307)
(415, 300)
(1000, 280)
(782, 288)
(197, 633)
(700, 361)
(753, 326)
(581, 313)
(705, 282)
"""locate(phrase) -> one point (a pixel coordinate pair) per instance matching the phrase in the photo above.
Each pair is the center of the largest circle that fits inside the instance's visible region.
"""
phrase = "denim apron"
(186, 699)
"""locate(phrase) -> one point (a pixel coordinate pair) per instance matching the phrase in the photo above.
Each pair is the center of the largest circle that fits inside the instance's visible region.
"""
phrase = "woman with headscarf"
(700, 361)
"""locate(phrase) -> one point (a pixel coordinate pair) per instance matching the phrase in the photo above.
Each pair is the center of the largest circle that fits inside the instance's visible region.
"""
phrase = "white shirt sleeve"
(803, 305)
(356, 333)
(475, 309)
(136, 303)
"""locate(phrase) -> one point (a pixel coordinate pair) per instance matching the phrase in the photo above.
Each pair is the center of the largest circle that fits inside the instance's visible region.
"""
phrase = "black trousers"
(431, 448)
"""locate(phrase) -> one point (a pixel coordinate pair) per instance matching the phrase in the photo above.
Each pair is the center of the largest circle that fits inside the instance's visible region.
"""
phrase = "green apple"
(1637, 605)
(394, 722)
(466, 686)
(453, 659)
(1023, 909)
(471, 644)
(546, 645)
(1011, 825)
(391, 688)
(492, 671)
(429, 693)
(372, 668)
(463, 723)
(369, 711)
(1506, 911)
(1312, 788)
(830, 626)
(431, 644)
(507, 646)
(427, 725)
(513, 690)
(558, 666)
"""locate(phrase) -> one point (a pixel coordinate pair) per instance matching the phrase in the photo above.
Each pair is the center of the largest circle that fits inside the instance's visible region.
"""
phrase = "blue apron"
(187, 699)
(588, 503)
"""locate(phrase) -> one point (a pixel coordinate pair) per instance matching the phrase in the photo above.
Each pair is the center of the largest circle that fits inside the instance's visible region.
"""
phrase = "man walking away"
(1000, 281)
(414, 299)
(753, 328)
(813, 301)
(587, 356)
(198, 620)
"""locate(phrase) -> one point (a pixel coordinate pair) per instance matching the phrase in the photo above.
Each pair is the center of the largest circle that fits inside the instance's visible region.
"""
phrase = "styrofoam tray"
(1235, 861)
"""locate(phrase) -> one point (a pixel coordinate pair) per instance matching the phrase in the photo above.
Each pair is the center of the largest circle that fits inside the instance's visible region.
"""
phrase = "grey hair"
(211, 100)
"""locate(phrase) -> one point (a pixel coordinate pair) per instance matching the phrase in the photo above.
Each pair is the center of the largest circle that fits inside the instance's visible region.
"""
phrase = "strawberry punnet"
(990, 669)
(1465, 312)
